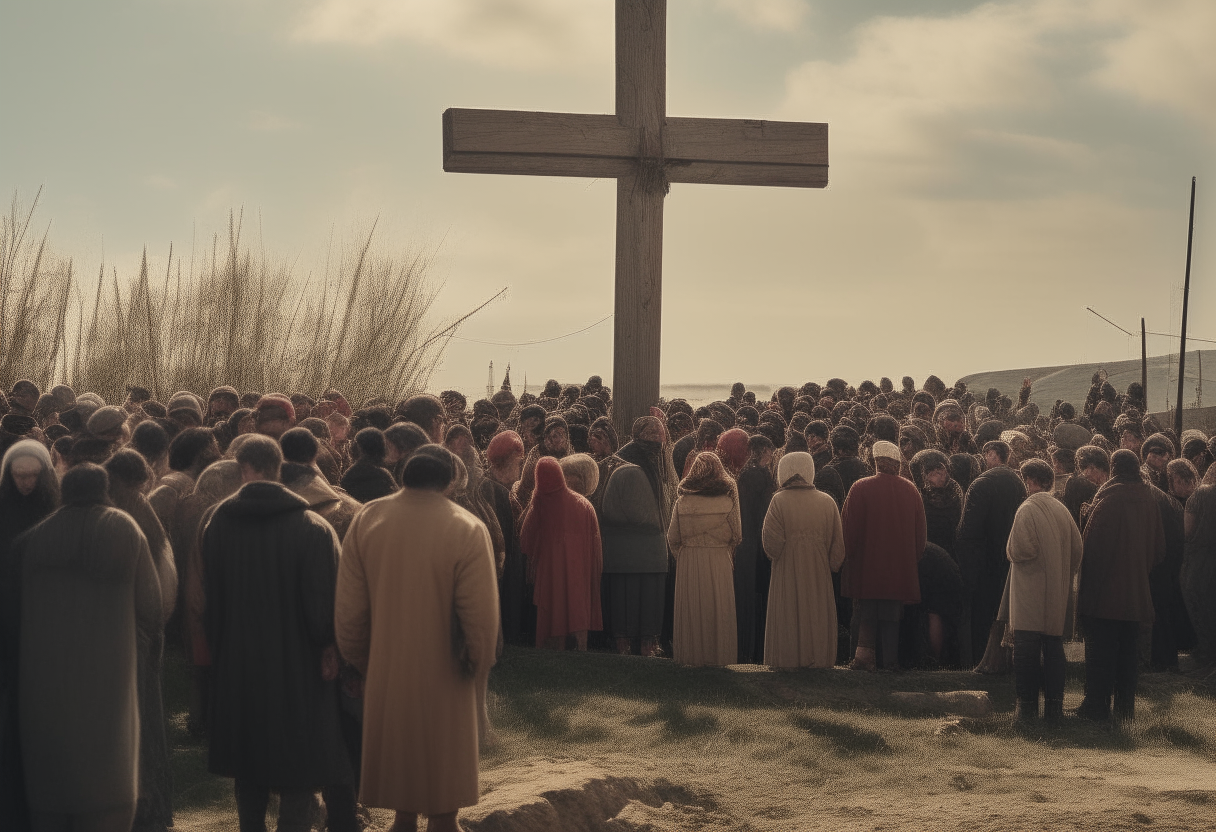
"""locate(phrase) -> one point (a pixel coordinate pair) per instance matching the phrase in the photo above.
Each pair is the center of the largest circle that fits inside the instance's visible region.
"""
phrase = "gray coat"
(88, 590)
(631, 525)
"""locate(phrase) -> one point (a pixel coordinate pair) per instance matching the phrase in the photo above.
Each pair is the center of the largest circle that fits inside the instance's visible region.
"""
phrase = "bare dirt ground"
(601, 742)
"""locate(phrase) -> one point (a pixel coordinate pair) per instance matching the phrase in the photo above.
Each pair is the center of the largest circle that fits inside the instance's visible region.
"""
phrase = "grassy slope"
(765, 750)
(1071, 383)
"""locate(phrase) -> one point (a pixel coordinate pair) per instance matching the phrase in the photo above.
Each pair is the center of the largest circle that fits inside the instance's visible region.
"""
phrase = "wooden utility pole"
(1144, 364)
(1186, 296)
(644, 150)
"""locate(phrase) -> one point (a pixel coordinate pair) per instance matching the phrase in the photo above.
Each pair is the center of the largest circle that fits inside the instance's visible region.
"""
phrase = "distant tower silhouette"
(506, 380)
(490, 382)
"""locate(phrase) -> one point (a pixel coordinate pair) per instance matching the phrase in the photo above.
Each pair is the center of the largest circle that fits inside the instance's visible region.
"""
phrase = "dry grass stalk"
(236, 320)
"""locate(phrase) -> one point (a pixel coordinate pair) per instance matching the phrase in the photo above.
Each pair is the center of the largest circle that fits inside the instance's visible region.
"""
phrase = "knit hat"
(949, 409)
(502, 446)
(886, 449)
(106, 420)
(1071, 435)
(275, 400)
(185, 402)
(1158, 443)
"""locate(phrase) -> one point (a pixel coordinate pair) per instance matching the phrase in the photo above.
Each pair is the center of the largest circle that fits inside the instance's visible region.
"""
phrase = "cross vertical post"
(641, 82)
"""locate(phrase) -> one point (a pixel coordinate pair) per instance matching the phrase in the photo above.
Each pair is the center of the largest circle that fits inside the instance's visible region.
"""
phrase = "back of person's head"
(1039, 472)
(1001, 449)
(1066, 458)
(189, 446)
(406, 437)
(299, 446)
(430, 468)
(86, 484)
(422, 410)
(150, 440)
(128, 469)
(1092, 456)
(262, 455)
(1124, 463)
(370, 444)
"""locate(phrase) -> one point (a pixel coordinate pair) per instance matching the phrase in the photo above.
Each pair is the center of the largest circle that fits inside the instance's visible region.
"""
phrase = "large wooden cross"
(644, 150)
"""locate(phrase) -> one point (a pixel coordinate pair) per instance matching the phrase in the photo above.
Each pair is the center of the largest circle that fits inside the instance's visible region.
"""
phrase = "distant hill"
(1071, 383)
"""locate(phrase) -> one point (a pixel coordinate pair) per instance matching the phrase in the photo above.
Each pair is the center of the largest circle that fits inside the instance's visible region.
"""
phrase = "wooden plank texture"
(727, 173)
(745, 140)
(511, 131)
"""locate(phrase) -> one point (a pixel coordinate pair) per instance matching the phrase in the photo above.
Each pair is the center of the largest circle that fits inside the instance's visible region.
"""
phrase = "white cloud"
(518, 34)
(919, 97)
(1165, 56)
(781, 15)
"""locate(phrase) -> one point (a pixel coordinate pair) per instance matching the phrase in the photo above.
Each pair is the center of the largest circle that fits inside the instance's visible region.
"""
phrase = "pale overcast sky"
(995, 167)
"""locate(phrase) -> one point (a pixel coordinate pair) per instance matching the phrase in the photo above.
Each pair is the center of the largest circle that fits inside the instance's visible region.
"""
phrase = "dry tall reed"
(363, 326)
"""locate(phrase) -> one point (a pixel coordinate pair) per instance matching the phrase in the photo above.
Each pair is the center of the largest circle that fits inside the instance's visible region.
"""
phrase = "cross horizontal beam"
(694, 150)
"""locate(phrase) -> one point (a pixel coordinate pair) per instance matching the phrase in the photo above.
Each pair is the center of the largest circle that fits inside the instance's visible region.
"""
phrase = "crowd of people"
(343, 580)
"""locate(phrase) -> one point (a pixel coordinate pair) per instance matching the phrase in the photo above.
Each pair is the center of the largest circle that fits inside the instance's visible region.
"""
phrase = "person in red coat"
(561, 538)
(884, 537)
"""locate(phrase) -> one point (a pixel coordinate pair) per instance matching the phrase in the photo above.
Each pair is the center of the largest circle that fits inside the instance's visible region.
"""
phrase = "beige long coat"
(1044, 551)
(703, 534)
(804, 539)
(417, 614)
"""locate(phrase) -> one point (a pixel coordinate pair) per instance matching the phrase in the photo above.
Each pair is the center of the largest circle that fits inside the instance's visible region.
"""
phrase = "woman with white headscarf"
(803, 538)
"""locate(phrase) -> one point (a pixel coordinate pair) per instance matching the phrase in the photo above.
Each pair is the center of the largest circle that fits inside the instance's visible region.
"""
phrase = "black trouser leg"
(1027, 666)
(340, 808)
(1054, 666)
(296, 811)
(251, 803)
(1127, 668)
(1101, 659)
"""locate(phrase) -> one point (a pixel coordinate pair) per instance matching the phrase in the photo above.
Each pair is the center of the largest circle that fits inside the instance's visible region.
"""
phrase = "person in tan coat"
(704, 531)
(417, 614)
(804, 539)
(1044, 552)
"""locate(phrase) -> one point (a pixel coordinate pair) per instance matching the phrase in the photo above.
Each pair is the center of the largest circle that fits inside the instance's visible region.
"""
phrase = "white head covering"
(794, 464)
(887, 449)
(26, 448)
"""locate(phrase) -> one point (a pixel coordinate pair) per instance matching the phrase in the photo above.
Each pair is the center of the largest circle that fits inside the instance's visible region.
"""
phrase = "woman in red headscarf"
(561, 538)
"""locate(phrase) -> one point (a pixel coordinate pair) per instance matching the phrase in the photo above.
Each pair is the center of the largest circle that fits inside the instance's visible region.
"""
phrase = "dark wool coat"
(514, 592)
(983, 535)
(1198, 576)
(631, 524)
(270, 569)
(88, 589)
(943, 511)
(828, 481)
(367, 481)
(681, 450)
(1171, 626)
(1124, 540)
(17, 514)
(851, 469)
(752, 568)
(884, 537)
(1077, 492)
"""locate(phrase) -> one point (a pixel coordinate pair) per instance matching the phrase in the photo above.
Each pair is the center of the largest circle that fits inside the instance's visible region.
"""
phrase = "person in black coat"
(270, 568)
(988, 510)
(941, 495)
(369, 478)
(29, 491)
(752, 568)
(845, 443)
